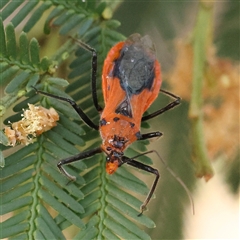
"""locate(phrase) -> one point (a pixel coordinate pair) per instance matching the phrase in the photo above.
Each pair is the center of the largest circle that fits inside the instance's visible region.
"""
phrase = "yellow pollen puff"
(34, 122)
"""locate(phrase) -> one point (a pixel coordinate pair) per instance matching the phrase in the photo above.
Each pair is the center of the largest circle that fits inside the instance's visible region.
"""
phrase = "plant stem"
(201, 41)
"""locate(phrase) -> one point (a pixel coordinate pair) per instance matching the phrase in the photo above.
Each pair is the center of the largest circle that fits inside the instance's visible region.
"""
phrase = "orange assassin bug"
(131, 81)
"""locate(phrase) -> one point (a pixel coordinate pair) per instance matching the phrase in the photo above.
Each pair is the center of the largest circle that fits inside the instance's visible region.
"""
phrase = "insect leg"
(149, 135)
(80, 112)
(75, 158)
(174, 175)
(94, 72)
(166, 108)
(146, 168)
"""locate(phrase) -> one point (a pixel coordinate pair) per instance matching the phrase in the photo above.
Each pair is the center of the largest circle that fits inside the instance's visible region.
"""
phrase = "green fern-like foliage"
(36, 201)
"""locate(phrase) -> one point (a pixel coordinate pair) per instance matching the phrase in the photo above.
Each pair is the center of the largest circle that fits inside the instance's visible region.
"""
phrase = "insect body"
(131, 81)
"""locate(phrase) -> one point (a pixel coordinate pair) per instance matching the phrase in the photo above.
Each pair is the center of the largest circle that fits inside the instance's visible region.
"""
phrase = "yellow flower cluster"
(35, 121)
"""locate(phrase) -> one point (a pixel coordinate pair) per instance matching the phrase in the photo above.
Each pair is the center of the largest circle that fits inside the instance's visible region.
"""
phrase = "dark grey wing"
(134, 69)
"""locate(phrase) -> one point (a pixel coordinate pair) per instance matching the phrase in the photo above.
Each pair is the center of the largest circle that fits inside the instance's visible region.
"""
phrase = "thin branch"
(202, 38)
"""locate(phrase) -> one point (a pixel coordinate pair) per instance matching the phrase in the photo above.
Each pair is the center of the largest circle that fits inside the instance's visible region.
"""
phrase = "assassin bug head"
(114, 150)
(113, 161)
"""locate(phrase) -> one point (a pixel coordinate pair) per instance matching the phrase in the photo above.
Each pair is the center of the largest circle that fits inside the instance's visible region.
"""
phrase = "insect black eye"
(109, 148)
(108, 159)
(103, 122)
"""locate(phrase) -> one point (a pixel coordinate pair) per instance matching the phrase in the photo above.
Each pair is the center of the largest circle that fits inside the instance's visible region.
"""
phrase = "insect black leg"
(149, 135)
(146, 168)
(139, 165)
(166, 108)
(75, 158)
(80, 112)
(94, 72)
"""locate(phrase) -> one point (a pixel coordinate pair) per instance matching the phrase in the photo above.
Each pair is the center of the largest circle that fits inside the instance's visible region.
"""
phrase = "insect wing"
(131, 77)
